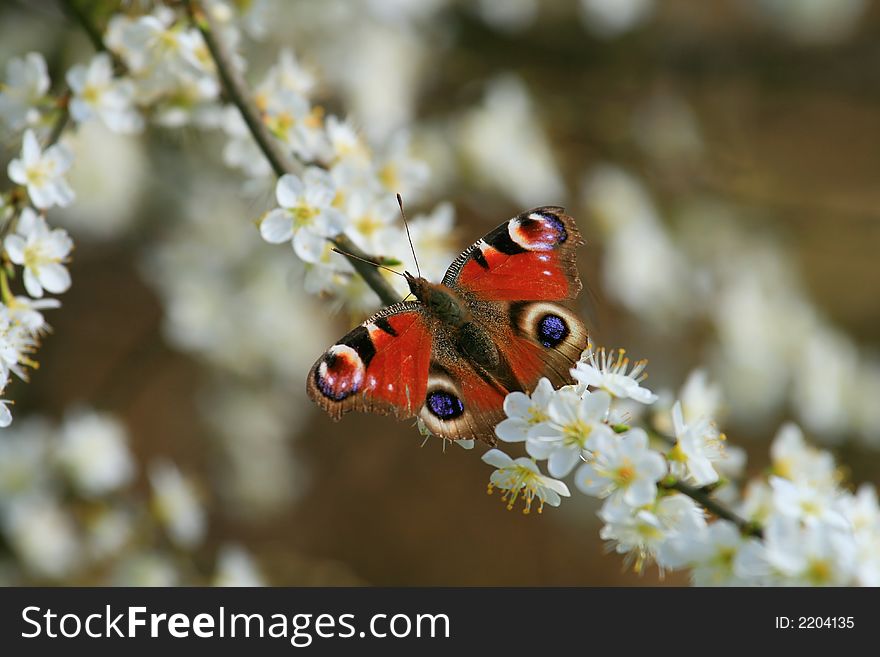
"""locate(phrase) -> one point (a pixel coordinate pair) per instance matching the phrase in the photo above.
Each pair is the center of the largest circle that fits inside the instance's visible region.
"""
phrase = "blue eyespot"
(552, 330)
(444, 405)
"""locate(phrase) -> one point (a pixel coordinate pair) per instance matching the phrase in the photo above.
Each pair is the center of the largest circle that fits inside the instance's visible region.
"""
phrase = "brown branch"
(712, 505)
(238, 92)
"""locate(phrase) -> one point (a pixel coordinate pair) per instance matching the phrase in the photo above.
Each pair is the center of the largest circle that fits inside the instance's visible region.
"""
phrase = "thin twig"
(714, 506)
(76, 12)
(238, 92)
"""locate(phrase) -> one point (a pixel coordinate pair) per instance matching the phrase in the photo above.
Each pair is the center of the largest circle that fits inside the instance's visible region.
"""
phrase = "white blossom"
(807, 504)
(640, 532)
(41, 251)
(97, 93)
(43, 172)
(306, 217)
(176, 505)
(575, 423)
(146, 569)
(794, 459)
(42, 535)
(93, 451)
(521, 478)
(598, 369)
(712, 552)
(236, 567)
(524, 412)
(698, 446)
(623, 466)
(26, 85)
(802, 555)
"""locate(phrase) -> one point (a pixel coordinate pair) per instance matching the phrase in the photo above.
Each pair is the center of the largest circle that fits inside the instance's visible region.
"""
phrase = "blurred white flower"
(241, 151)
(812, 21)
(698, 446)
(347, 146)
(176, 505)
(41, 252)
(599, 370)
(26, 312)
(511, 16)
(286, 75)
(236, 567)
(16, 343)
(639, 533)
(642, 267)
(575, 425)
(42, 535)
(794, 459)
(825, 382)
(524, 412)
(26, 85)
(109, 177)
(623, 466)
(24, 452)
(5, 413)
(108, 532)
(666, 128)
(93, 451)
(713, 553)
(43, 173)
(433, 237)
(522, 478)
(96, 93)
(863, 514)
(306, 217)
(802, 555)
(168, 63)
(398, 171)
(255, 424)
(507, 148)
(379, 71)
(372, 216)
(293, 121)
(611, 18)
(807, 504)
(145, 569)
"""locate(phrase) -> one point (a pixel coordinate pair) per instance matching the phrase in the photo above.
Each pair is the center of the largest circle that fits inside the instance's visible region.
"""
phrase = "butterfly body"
(497, 323)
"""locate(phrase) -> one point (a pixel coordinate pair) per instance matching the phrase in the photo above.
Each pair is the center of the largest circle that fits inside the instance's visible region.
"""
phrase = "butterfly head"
(439, 300)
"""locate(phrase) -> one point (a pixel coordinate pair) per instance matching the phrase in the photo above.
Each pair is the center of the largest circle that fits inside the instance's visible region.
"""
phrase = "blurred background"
(721, 159)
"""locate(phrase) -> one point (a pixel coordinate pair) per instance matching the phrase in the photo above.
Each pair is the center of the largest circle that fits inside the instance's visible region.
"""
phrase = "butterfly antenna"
(367, 260)
(408, 236)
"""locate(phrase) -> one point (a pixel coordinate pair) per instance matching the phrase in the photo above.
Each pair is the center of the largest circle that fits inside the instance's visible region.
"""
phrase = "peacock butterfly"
(495, 324)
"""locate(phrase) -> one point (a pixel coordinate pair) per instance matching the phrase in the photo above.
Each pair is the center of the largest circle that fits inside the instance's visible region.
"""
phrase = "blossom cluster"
(29, 247)
(346, 187)
(796, 525)
(69, 510)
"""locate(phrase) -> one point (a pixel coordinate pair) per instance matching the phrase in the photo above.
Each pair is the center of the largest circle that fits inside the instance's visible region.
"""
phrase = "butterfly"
(497, 323)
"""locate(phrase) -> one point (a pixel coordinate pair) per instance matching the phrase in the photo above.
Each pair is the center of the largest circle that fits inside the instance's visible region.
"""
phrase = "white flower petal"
(277, 226)
(308, 246)
(289, 190)
(562, 461)
(497, 458)
(54, 277)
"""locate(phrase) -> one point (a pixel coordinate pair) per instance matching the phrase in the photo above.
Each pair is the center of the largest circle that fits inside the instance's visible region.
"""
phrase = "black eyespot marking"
(500, 240)
(359, 340)
(537, 231)
(340, 373)
(552, 330)
(444, 405)
(383, 324)
(480, 258)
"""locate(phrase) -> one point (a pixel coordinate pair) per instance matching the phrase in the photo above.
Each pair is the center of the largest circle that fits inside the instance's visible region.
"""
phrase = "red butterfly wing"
(528, 258)
(381, 365)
